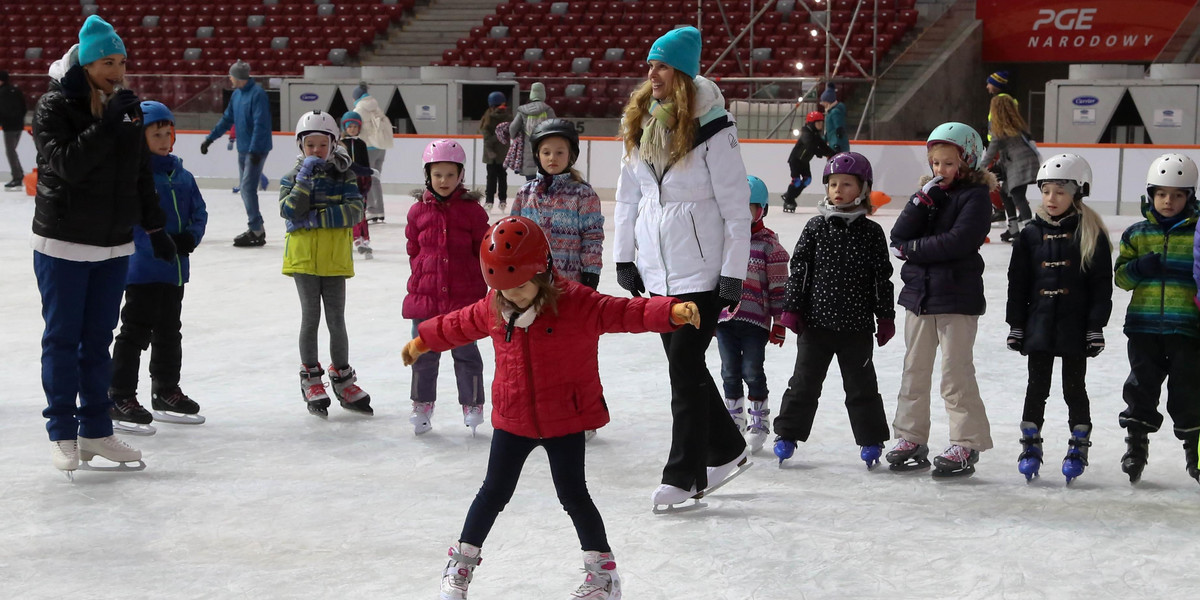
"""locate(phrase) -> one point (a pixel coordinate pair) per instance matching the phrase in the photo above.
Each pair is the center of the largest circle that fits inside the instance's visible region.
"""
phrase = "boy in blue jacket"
(154, 292)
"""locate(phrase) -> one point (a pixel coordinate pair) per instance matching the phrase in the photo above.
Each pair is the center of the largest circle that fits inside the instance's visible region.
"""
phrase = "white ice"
(266, 501)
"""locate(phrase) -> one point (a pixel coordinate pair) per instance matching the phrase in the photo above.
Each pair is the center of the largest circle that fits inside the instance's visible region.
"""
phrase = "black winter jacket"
(809, 144)
(1049, 296)
(12, 108)
(841, 275)
(943, 271)
(94, 179)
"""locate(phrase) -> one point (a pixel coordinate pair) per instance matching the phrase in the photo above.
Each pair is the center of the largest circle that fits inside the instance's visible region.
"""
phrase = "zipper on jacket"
(696, 235)
(1162, 284)
(179, 220)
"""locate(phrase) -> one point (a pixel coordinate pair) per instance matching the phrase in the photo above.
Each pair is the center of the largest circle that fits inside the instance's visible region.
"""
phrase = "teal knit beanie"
(679, 48)
(97, 39)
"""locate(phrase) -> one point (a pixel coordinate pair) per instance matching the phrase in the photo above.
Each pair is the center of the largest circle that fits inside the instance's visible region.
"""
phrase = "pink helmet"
(444, 151)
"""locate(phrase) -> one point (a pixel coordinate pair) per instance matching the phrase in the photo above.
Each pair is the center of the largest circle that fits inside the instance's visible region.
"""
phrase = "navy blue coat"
(249, 111)
(180, 199)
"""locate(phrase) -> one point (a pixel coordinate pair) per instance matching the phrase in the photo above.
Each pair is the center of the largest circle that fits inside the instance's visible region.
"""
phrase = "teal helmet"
(961, 135)
(758, 191)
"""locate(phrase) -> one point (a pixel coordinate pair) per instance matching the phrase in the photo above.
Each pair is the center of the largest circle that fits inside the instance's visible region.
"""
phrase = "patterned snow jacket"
(443, 253)
(180, 199)
(841, 273)
(1162, 302)
(568, 211)
(1049, 296)
(766, 278)
(319, 240)
(535, 392)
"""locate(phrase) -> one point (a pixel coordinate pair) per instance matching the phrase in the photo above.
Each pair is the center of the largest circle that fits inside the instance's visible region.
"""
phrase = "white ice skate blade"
(742, 468)
(131, 428)
(662, 509)
(86, 465)
(178, 418)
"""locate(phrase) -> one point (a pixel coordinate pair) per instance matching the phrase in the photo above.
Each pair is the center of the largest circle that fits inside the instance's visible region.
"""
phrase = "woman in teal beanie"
(682, 229)
(835, 120)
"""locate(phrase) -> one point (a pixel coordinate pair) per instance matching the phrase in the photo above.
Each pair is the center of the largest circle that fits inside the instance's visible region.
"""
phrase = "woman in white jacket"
(683, 230)
(377, 133)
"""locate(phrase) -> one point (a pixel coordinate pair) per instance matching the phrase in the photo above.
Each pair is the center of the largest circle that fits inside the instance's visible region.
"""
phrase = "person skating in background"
(319, 198)
(1157, 263)
(525, 121)
(744, 330)
(379, 135)
(495, 149)
(250, 111)
(1059, 300)
(94, 185)
(1013, 154)
(361, 166)
(839, 302)
(938, 235)
(12, 121)
(810, 143)
(835, 120)
(154, 292)
(535, 319)
(445, 228)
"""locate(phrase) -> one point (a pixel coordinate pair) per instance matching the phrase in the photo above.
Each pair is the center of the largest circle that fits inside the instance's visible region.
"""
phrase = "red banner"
(1078, 31)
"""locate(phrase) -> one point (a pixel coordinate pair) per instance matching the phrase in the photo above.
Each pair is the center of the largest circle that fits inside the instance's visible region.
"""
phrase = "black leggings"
(1016, 205)
(497, 180)
(508, 455)
(1074, 371)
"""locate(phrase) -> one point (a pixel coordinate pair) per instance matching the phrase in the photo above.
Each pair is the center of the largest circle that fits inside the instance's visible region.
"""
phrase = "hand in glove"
(164, 248)
(729, 292)
(185, 243)
(629, 278)
(930, 194)
(414, 348)
(230, 145)
(898, 252)
(778, 334)
(123, 103)
(793, 321)
(589, 279)
(1016, 339)
(685, 313)
(204, 146)
(1146, 265)
(310, 164)
(1095, 343)
(885, 330)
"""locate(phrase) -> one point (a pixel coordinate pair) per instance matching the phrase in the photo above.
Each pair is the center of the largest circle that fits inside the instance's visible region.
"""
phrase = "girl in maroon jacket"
(444, 229)
(535, 318)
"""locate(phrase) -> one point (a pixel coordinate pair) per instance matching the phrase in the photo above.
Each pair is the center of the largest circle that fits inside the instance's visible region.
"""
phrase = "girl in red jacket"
(444, 229)
(534, 318)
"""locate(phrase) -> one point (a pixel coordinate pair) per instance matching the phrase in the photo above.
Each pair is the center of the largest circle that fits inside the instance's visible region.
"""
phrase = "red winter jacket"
(443, 252)
(547, 381)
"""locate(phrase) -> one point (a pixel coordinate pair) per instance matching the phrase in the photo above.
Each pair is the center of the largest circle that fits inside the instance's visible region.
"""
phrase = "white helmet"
(1069, 167)
(1172, 170)
(317, 122)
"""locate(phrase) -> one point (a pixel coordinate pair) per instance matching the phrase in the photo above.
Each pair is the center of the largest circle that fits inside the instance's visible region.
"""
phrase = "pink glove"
(886, 330)
(792, 321)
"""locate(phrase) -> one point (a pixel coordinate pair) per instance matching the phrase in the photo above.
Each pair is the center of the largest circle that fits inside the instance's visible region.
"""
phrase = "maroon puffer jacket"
(547, 381)
(443, 252)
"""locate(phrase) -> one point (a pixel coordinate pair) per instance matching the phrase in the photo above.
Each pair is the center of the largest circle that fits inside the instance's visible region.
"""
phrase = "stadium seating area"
(579, 50)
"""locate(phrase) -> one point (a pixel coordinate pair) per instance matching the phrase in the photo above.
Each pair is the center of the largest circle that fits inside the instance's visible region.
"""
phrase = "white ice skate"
(602, 582)
(757, 429)
(472, 417)
(111, 448)
(737, 411)
(459, 571)
(720, 475)
(65, 455)
(669, 499)
(421, 417)
(364, 248)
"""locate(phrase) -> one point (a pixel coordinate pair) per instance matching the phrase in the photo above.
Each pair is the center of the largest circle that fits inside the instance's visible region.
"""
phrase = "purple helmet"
(850, 163)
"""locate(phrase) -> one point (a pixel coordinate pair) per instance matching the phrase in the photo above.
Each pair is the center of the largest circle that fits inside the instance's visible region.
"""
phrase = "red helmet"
(814, 116)
(513, 251)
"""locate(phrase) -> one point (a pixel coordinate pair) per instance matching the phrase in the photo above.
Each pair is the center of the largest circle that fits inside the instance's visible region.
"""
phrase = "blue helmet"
(351, 117)
(496, 98)
(758, 190)
(153, 112)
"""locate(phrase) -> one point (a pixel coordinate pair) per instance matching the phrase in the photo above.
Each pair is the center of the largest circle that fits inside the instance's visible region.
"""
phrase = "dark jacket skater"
(810, 144)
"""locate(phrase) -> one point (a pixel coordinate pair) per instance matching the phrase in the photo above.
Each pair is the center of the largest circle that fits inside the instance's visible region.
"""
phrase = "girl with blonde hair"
(1016, 159)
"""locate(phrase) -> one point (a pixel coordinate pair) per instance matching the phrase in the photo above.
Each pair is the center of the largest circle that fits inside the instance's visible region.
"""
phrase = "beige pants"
(968, 418)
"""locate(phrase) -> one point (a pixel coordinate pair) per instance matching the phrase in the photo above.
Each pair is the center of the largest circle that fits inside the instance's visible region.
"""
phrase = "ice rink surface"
(266, 501)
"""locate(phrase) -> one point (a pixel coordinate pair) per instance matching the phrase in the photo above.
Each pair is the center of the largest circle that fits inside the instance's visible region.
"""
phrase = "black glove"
(589, 279)
(204, 146)
(1016, 339)
(1095, 343)
(1147, 265)
(185, 243)
(729, 291)
(164, 248)
(629, 278)
(123, 103)
(255, 158)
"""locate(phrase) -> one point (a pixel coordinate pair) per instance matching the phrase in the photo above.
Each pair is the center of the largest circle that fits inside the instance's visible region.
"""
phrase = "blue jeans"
(743, 349)
(250, 173)
(81, 302)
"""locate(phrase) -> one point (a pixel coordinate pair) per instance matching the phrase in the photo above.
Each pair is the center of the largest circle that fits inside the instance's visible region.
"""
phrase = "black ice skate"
(1133, 462)
(789, 206)
(349, 395)
(1189, 454)
(129, 417)
(908, 456)
(174, 406)
(955, 461)
(312, 388)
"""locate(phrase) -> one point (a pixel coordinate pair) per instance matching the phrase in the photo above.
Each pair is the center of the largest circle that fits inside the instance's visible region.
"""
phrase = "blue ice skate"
(1077, 452)
(870, 455)
(784, 449)
(1030, 459)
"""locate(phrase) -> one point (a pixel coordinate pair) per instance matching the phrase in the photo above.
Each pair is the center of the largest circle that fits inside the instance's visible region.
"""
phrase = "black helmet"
(556, 127)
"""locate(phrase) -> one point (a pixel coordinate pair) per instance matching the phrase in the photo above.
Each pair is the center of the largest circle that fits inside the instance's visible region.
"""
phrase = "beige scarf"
(656, 134)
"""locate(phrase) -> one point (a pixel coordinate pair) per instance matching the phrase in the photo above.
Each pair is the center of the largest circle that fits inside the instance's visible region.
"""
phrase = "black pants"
(815, 349)
(1153, 359)
(149, 319)
(794, 190)
(1016, 205)
(497, 179)
(702, 434)
(1074, 372)
(508, 455)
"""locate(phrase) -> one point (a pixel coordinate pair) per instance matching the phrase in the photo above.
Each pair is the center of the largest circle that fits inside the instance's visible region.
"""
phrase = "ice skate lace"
(904, 446)
(957, 453)
(758, 420)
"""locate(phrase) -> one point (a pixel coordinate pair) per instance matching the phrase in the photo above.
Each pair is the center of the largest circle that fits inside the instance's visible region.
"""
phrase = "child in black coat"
(1059, 300)
(361, 167)
(811, 143)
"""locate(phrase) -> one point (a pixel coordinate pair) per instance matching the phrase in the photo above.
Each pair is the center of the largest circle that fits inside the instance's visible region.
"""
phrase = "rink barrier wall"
(1119, 170)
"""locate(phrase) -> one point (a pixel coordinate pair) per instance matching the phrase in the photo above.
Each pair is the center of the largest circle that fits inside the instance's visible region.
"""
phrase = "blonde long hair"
(1006, 119)
(683, 95)
(1090, 228)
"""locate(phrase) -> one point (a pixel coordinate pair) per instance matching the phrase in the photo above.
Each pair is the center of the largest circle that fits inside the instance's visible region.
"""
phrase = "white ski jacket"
(692, 227)
(376, 128)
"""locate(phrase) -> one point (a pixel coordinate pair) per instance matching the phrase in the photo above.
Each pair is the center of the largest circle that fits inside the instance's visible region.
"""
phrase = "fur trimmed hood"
(974, 177)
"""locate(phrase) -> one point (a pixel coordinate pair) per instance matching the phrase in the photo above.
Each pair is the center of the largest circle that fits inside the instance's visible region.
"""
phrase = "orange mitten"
(685, 313)
(414, 348)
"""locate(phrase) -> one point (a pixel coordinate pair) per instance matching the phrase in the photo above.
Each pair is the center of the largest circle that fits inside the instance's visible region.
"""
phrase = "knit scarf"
(656, 134)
